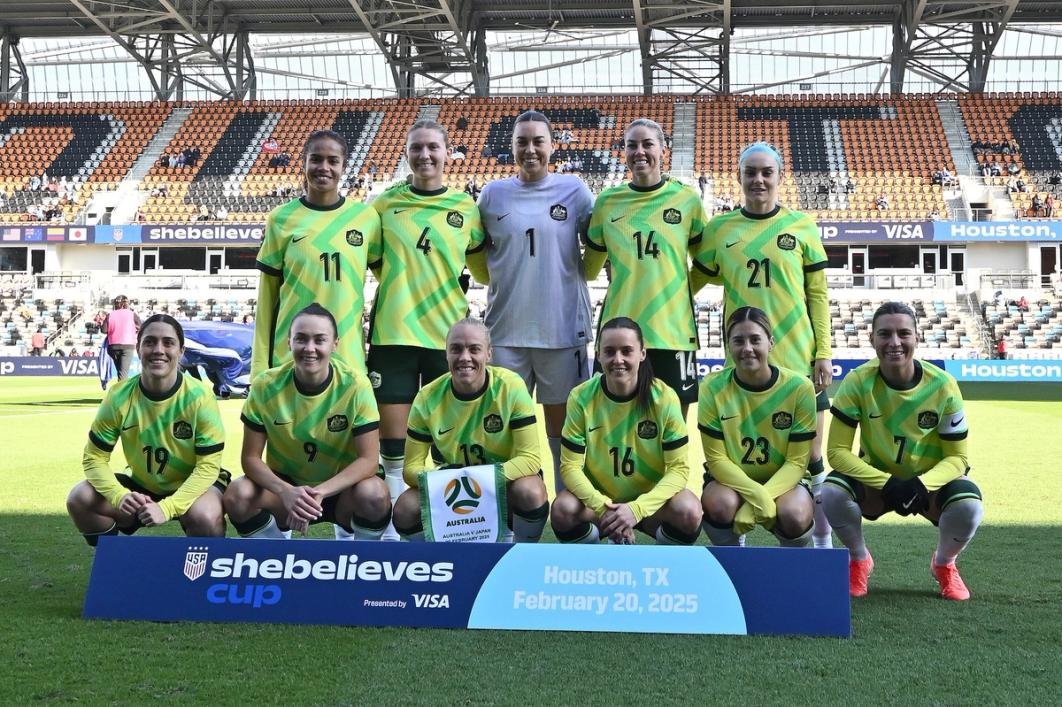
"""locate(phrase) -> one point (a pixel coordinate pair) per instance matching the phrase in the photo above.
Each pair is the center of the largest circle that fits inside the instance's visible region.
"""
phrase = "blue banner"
(119, 235)
(973, 231)
(1029, 371)
(48, 366)
(473, 585)
(875, 231)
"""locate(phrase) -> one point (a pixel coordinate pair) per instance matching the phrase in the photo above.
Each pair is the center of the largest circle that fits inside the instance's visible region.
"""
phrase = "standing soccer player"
(171, 434)
(770, 257)
(648, 229)
(757, 422)
(912, 452)
(428, 230)
(624, 457)
(316, 249)
(533, 223)
(314, 421)
(476, 414)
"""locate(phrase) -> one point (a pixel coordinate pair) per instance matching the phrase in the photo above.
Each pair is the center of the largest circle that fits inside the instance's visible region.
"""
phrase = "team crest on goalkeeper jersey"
(338, 423)
(492, 423)
(182, 430)
(787, 241)
(672, 216)
(195, 563)
(928, 419)
(647, 429)
(782, 421)
(355, 237)
(558, 212)
(455, 219)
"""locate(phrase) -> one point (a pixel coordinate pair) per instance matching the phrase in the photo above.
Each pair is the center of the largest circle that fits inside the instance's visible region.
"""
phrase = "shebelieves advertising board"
(642, 589)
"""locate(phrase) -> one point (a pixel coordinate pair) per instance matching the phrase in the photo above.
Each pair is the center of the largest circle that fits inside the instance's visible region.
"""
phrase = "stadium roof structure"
(443, 42)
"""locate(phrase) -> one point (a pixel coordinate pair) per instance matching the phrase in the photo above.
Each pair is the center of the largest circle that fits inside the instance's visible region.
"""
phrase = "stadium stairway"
(683, 139)
(130, 198)
(957, 136)
(428, 111)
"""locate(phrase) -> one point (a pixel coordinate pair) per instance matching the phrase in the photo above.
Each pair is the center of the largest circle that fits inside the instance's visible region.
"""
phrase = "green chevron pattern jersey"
(624, 449)
(757, 425)
(763, 262)
(426, 237)
(161, 436)
(318, 254)
(310, 433)
(649, 235)
(900, 430)
(476, 429)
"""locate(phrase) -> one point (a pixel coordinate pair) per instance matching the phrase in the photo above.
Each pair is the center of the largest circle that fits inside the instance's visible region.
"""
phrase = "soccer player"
(171, 434)
(316, 249)
(316, 421)
(648, 229)
(757, 422)
(475, 414)
(770, 257)
(912, 452)
(428, 229)
(533, 223)
(624, 457)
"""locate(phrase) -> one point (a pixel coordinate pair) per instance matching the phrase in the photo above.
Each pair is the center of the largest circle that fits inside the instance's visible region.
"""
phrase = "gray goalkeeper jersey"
(537, 296)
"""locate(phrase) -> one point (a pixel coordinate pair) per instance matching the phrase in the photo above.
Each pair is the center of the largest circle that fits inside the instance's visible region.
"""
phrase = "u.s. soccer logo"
(195, 563)
(452, 492)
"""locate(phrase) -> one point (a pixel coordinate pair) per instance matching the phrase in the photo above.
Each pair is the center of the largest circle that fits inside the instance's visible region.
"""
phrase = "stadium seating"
(21, 314)
(1038, 327)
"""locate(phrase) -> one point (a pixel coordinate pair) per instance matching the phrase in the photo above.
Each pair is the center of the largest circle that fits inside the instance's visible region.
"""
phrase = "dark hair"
(748, 314)
(429, 124)
(317, 310)
(892, 308)
(326, 135)
(534, 116)
(160, 319)
(644, 391)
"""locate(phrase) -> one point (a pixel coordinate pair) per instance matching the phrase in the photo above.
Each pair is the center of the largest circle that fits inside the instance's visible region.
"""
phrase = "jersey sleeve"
(573, 458)
(705, 269)
(373, 240)
(846, 405)
(707, 413)
(698, 224)
(209, 441)
(477, 237)
(103, 436)
(271, 255)
(805, 418)
(596, 252)
(418, 424)
(365, 414)
(953, 431)
(252, 414)
(107, 425)
(418, 442)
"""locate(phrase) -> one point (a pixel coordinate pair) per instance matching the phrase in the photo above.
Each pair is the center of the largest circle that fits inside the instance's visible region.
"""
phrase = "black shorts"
(955, 490)
(398, 372)
(678, 369)
(128, 482)
(822, 401)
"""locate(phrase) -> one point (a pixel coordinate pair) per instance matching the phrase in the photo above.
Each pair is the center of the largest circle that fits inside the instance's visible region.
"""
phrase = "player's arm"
(704, 270)
(207, 468)
(367, 442)
(676, 475)
(298, 500)
(819, 310)
(953, 431)
(526, 460)
(595, 253)
(792, 471)
(477, 265)
(95, 460)
(842, 459)
(268, 300)
(733, 476)
(573, 459)
(418, 449)
(701, 275)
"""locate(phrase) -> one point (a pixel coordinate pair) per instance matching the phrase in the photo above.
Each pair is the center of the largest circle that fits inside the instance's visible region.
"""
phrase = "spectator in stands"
(986, 169)
(849, 186)
(1022, 186)
(997, 169)
(1001, 348)
(88, 353)
(121, 326)
(937, 178)
(456, 154)
(882, 202)
(164, 161)
(35, 183)
(1015, 148)
(1012, 185)
(274, 162)
(462, 123)
(1037, 206)
(1023, 304)
(1055, 179)
(73, 353)
(57, 352)
(1049, 205)
(934, 215)
(204, 213)
(222, 213)
(173, 161)
(37, 343)
(702, 184)
(247, 319)
(1013, 168)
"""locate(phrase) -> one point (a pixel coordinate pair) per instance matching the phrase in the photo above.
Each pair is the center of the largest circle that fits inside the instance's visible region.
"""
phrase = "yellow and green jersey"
(482, 428)
(648, 235)
(623, 448)
(163, 437)
(426, 236)
(757, 425)
(769, 261)
(310, 432)
(901, 430)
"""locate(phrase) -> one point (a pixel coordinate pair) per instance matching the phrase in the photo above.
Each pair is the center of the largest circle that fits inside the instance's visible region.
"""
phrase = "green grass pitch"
(1002, 647)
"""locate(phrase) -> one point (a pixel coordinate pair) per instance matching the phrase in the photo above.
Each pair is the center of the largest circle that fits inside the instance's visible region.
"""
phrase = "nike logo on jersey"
(687, 386)
(398, 211)
(728, 417)
(958, 422)
(278, 422)
(593, 428)
(442, 432)
(874, 416)
(129, 427)
(296, 239)
(616, 218)
(503, 216)
(732, 244)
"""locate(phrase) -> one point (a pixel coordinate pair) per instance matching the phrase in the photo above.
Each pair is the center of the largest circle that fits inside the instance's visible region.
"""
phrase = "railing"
(892, 282)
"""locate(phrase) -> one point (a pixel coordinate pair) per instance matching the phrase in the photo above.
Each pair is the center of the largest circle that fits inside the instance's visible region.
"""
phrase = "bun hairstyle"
(644, 389)
(749, 314)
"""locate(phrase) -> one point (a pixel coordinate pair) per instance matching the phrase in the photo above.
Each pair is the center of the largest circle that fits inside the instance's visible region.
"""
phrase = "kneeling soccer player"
(171, 433)
(475, 414)
(912, 457)
(757, 422)
(624, 452)
(316, 420)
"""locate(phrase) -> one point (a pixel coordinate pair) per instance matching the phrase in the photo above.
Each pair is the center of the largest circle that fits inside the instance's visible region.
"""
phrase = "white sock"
(555, 452)
(363, 533)
(528, 528)
(821, 532)
(340, 533)
(846, 518)
(395, 486)
(958, 523)
(270, 531)
(722, 536)
(799, 541)
(663, 538)
(591, 538)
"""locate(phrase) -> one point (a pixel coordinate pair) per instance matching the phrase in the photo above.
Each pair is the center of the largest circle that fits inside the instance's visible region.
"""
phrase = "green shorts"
(398, 372)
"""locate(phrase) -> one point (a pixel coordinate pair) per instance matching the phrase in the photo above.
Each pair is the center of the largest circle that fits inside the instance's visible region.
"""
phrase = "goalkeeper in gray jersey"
(538, 306)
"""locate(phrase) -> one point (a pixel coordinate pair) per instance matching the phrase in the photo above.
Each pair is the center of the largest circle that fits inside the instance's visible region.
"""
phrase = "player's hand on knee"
(905, 496)
(151, 515)
(618, 521)
(301, 503)
(132, 502)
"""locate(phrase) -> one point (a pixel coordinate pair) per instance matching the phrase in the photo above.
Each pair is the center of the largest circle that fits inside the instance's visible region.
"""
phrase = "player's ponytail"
(644, 389)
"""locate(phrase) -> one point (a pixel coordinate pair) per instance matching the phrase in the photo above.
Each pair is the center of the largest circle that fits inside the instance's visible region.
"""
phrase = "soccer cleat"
(858, 573)
(951, 584)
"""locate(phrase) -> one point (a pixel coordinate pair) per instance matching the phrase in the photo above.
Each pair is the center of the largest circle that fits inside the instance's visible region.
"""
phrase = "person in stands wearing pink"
(37, 343)
(121, 326)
